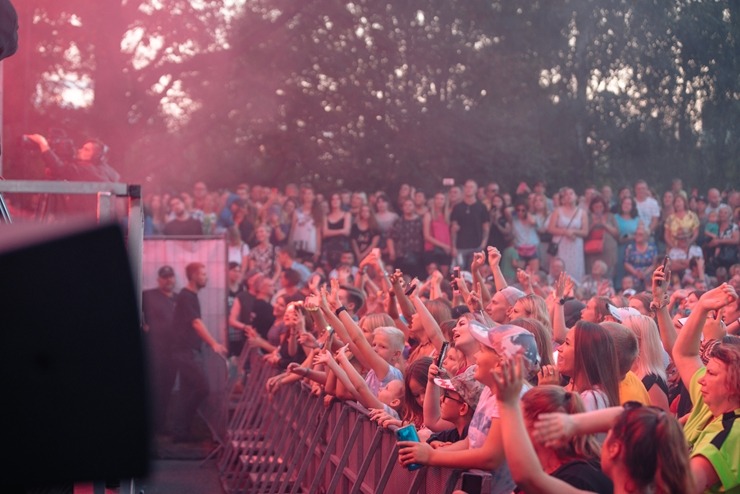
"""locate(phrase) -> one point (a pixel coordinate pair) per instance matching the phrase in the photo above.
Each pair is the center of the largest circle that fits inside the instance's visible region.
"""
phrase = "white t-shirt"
(680, 254)
(647, 210)
(487, 409)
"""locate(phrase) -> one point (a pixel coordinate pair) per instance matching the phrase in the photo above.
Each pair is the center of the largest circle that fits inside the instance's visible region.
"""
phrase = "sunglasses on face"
(446, 396)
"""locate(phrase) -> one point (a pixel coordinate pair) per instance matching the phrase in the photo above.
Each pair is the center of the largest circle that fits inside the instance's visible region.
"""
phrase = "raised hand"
(473, 301)
(523, 278)
(551, 429)
(548, 374)
(494, 256)
(334, 301)
(508, 380)
(660, 282)
(479, 259)
(717, 298)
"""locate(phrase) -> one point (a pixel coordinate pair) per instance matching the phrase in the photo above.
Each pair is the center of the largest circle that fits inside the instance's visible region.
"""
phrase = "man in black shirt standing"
(469, 226)
(189, 333)
(158, 308)
(182, 223)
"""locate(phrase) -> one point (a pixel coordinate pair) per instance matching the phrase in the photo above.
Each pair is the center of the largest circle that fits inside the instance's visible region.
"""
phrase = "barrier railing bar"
(349, 446)
(270, 423)
(374, 445)
(389, 465)
(291, 463)
(329, 449)
(291, 433)
(302, 444)
(245, 422)
(311, 452)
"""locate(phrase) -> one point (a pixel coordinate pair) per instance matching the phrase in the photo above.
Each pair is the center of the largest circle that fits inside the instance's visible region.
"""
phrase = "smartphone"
(408, 433)
(665, 263)
(410, 289)
(455, 276)
(471, 483)
(442, 354)
(448, 182)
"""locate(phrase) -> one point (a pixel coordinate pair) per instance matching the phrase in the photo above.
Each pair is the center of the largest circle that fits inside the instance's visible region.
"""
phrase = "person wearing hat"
(482, 448)
(457, 402)
(158, 308)
(501, 302)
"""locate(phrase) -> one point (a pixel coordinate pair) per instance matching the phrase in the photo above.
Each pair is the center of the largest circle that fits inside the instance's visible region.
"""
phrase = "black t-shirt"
(584, 475)
(470, 218)
(158, 310)
(263, 318)
(187, 310)
(449, 435)
(246, 304)
(363, 237)
(190, 226)
(651, 379)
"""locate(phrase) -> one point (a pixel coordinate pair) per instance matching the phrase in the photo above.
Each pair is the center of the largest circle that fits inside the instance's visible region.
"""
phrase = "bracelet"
(339, 310)
(656, 306)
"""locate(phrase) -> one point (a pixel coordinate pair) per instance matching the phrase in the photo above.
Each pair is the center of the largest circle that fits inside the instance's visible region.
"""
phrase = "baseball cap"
(620, 313)
(572, 311)
(507, 341)
(463, 384)
(166, 272)
(512, 294)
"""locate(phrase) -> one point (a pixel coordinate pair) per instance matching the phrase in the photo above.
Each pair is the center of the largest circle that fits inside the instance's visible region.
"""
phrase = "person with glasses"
(449, 405)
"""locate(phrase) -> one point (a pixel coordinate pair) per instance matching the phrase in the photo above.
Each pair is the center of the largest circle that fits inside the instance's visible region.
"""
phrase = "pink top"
(439, 229)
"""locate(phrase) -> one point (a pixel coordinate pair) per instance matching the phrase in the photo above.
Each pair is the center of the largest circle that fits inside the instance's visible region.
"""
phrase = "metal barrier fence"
(295, 442)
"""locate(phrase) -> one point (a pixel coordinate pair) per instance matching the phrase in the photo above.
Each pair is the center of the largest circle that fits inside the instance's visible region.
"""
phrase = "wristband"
(561, 301)
(339, 310)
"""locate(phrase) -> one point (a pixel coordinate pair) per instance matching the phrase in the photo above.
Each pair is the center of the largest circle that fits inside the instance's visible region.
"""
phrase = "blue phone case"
(408, 433)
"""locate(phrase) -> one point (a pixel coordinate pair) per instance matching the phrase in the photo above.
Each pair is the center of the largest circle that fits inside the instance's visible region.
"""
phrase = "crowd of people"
(562, 343)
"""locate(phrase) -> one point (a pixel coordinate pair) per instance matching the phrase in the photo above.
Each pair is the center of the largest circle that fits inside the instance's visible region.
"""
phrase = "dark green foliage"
(371, 94)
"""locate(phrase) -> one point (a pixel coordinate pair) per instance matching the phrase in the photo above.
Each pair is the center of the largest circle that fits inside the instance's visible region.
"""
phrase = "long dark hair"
(596, 360)
(418, 371)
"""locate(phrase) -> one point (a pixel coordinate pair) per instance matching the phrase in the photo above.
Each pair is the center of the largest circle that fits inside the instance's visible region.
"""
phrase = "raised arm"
(479, 259)
(494, 260)
(407, 308)
(563, 285)
(432, 413)
(686, 350)
(430, 325)
(361, 390)
(661, 307)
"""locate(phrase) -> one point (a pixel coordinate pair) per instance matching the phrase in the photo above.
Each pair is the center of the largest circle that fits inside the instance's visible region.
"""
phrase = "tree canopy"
(369, 94)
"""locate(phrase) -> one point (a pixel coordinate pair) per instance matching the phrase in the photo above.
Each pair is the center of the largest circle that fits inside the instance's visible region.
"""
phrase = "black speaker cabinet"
(72, 371)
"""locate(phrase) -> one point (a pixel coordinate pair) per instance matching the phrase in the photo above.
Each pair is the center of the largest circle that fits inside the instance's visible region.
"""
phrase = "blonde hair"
(536, 308)
(396, 338)
(370, 322)
(650, 354)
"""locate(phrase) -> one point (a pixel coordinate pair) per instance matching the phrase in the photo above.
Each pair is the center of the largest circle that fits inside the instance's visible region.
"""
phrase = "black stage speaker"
(72, 371)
